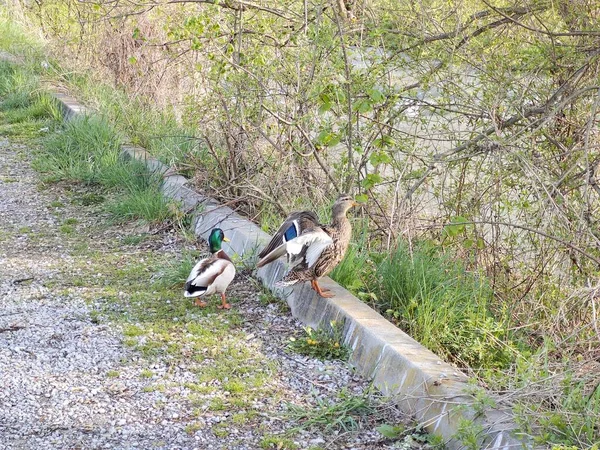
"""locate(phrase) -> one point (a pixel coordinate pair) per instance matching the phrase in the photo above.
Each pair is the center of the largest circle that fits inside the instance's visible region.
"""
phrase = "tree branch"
(530, 112)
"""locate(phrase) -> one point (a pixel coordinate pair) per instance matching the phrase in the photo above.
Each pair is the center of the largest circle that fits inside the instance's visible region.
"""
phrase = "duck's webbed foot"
(224, 304)
(325, 293)
(200, 303)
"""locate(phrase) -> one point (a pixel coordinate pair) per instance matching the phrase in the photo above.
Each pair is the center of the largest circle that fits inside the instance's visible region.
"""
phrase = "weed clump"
(322, 343)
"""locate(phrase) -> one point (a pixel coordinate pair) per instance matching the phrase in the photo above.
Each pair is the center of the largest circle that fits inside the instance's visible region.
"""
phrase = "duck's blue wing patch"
(291, 232)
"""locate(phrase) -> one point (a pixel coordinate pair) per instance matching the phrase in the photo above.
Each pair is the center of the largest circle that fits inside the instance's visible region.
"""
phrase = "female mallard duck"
(313, 249)
(211, 275)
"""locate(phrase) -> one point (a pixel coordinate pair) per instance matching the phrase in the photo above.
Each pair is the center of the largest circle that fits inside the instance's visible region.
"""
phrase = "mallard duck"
(313, 250)
(211, 275)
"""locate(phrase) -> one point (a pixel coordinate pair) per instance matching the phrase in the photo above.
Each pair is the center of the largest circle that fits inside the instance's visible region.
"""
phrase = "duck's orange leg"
(224, 304)
(200, 303)
(322, 292)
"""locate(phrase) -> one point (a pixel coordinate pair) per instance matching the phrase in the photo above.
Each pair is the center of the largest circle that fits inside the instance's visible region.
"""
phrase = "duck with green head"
(211, 275)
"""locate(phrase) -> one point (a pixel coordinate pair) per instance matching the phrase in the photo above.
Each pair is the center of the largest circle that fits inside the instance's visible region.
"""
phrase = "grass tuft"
(175, 273)
(88, 151)
(436, 301)
(344, 415)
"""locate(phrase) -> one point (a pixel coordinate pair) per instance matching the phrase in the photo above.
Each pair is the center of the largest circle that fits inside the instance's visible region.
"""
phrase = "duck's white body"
(210, 276)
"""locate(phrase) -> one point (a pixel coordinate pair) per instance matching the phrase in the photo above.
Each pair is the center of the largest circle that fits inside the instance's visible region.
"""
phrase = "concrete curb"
(434, 392)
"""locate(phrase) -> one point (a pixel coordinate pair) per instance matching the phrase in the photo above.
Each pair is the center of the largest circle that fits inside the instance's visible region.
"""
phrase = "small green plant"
(322, 343)
(133, 330)
(342, 416)
(217, 404)
(192, 428)
(146, 373)
(270, 441)
(220, 430)
(113, 374)
(134, 239)
(176, 272)
(266, 297)
(67, 229)
(391, 431)
(469, 434)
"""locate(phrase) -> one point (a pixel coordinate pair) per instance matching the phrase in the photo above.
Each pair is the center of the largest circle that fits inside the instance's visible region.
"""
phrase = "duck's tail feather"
(191, 290)
(277, 253)
(285, 283)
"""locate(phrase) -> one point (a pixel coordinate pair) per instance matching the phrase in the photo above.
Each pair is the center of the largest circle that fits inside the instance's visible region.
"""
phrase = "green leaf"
(376, 95)
(324, 107)
(361, 198)
(390, 431)
(456, 226)
(362, 105)
(328, 138)
(325, 97)
(380, 158)
(132, 60)
(334, 139)
(384, 141)
(371, 180)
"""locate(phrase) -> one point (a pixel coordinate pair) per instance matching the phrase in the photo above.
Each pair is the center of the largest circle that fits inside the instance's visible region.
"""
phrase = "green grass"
(25, 109)
(174, 274)
(344, 415)
(88, 151)
(67, 229)
(434, 299)
(270, 441)
(147, 204)
(166, 138)
(15, 40)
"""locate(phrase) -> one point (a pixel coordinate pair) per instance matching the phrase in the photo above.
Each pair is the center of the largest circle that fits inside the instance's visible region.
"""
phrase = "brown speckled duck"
(313, 250)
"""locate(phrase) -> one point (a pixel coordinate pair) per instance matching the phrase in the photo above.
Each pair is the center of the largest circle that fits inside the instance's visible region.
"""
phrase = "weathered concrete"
(70, 106)
(433, 391)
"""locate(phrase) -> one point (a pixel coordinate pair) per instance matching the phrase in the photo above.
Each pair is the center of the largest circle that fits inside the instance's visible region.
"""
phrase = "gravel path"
(93, 355)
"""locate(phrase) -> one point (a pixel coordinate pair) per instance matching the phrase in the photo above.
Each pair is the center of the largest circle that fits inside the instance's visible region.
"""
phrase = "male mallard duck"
(211, 275)
(313, 249)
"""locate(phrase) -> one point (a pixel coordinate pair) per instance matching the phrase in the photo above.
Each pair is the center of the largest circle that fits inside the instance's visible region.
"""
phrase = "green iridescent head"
(216, 238)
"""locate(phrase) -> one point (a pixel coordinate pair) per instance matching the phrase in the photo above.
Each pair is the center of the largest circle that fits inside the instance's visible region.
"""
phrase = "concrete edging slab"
(434, 392)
